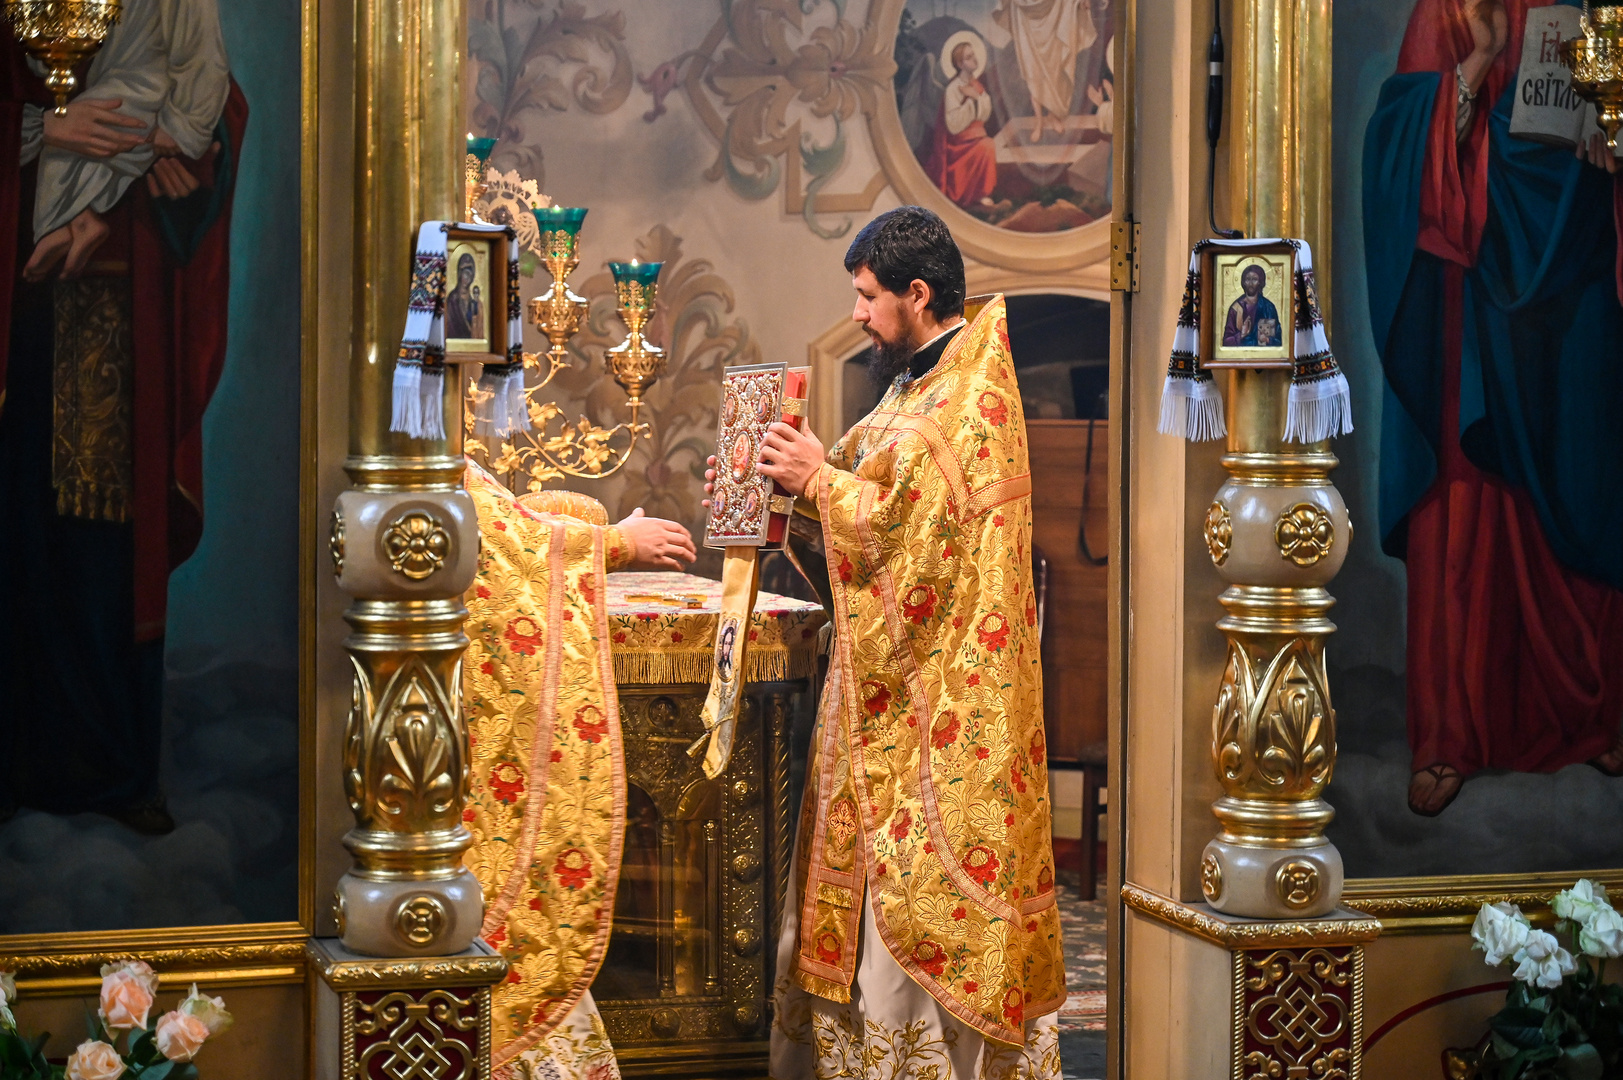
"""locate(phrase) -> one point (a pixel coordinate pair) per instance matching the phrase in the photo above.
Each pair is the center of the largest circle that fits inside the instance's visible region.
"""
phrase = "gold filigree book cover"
(748, 509)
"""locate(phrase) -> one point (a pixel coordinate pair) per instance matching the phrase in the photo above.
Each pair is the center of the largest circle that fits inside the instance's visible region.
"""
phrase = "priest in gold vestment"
(922, 928)
(547, 793)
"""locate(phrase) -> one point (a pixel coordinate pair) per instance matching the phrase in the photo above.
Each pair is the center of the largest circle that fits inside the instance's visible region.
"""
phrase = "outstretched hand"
(656, 543)
(94, 128)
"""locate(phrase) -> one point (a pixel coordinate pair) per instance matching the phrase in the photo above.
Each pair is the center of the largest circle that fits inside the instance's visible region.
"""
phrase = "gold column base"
(1296, 989)
(427, 1018)
(1278, 532)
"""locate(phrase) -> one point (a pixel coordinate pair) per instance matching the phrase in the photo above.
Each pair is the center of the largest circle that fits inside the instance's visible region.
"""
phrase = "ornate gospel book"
(747, 512)
(747, 509)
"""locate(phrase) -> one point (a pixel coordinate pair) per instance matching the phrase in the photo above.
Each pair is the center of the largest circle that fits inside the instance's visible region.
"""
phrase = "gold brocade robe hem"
(547, 786)
(929, 785)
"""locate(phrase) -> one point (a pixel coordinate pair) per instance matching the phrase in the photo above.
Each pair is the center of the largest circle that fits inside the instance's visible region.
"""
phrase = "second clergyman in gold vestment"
(926, 817)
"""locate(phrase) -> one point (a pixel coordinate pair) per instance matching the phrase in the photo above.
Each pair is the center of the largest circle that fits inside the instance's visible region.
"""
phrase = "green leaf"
(1520, 1026)
(158, 1071)
(1582, 1062)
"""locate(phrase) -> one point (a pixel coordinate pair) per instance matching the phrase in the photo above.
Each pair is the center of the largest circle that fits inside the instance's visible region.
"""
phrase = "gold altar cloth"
(659, 639)
(929, 788)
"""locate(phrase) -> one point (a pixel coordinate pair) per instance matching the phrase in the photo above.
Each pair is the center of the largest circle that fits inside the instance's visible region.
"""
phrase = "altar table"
(686, 986)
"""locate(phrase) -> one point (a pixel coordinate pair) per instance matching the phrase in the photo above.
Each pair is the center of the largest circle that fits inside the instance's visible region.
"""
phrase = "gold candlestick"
(473, 176)
(635, 363)
(558, 312)
(61, 34)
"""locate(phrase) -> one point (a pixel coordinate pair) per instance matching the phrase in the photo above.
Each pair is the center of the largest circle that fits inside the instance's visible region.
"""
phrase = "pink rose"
(95, 1061)
(127, 989)
(209, 1010)
(180, 1036)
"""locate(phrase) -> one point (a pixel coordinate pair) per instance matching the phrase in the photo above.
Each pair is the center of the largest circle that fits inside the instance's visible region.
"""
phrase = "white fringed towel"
(1320, 402)
(419, 370)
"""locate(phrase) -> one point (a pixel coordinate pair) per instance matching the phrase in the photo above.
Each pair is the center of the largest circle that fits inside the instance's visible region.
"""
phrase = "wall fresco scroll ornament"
(748, 512)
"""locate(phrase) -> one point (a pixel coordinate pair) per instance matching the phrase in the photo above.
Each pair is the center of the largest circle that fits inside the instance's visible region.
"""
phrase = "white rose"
(1542, 962)
(95, 1061)
(210, 1010)
(180, 1036)
(1500, 929)
(8, 986)
(1579, 902)
(1602, 934)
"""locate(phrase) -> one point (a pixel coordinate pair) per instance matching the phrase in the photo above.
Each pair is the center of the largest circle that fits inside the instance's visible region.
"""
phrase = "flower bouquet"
(160, 1050)
(1561, 1020)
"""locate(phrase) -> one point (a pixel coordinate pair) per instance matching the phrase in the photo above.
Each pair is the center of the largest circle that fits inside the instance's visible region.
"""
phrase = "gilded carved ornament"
(1297, 883)
(1250, 933)
(404, 752)
(1302, 1013)
(416, 544)
(1219, 532)
(1274, 730)
(1211, 877)
(335, 542)
(1304, 533)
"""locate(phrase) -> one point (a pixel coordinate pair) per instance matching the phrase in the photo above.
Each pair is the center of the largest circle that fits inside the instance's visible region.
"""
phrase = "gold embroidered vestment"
(547, 790)
(929, 783)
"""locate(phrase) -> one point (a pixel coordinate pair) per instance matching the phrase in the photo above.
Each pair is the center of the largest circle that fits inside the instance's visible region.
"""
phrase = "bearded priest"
(547, 791)
(922, 933)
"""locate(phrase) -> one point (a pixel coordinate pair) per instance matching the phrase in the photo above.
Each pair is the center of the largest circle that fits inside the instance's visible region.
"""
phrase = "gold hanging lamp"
(1596, 61)
(61, 34)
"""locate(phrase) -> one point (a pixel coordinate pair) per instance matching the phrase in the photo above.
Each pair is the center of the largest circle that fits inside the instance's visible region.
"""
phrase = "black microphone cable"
(1214, 119)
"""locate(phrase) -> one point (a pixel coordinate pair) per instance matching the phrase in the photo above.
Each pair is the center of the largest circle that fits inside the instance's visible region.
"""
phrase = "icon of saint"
(463, 307)
(1253, 320)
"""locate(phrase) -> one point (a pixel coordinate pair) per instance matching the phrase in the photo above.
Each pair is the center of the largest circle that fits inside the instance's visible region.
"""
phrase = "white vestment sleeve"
(199, 73)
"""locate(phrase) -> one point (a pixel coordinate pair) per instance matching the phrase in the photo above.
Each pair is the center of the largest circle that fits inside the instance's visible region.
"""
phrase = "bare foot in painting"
(1433, 788)
(1611, 762)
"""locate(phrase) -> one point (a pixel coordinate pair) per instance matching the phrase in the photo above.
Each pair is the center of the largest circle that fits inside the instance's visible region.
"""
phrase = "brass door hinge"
(1124, 256)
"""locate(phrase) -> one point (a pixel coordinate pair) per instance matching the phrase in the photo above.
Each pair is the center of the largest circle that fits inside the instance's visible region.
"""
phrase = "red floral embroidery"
(912, 721)
(915, 495)
(676, 636)
(919, 603)
(1019, 780)
(971, 986)
(982, 753)
(496, 936)
(482, 593)
(845, 567)
(1008, 819)
(875, 696)
(981, 865)
(997, 519)
(507, 782)
(993, 408)
(944, 732)
(1045, 880)
(573, 869)
(755, 635)
(569, 616)
(487, 668)
(931, 957)
(959, 913)
(929, 848)
(828, 948)
(842, 822)
(1039, 747)
(957, 622)
(523, 635)
(591, 723)
(557, 756)
(902, 825)
(993, 631)
(587, 589)
(983, 453)
(974, 679)
(1031, 610)
(1014, 1008)
(536, 903)
(619, 637)
(502, 525)
(468, 814)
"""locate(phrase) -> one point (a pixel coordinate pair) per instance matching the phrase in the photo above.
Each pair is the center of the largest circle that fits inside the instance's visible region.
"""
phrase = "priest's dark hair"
(911, 242)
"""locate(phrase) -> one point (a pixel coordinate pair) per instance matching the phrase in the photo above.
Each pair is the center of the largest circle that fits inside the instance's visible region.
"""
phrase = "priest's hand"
(94, 128)
(790, 456)
(656, 544)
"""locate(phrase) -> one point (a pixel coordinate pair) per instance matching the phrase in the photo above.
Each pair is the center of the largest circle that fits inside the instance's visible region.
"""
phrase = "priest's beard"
(888, 359)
